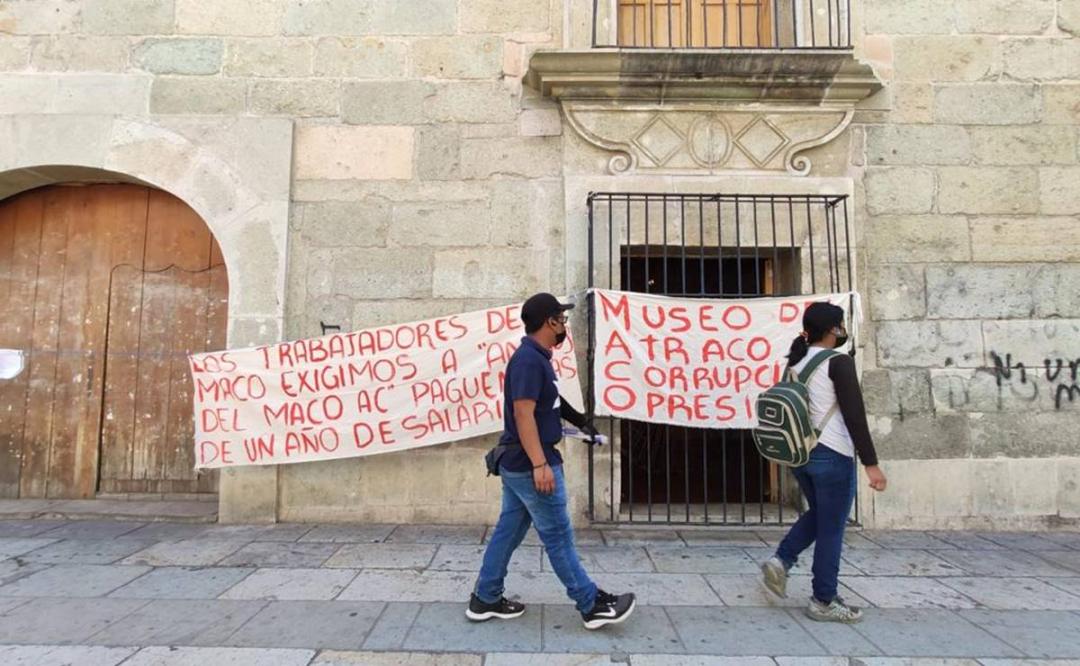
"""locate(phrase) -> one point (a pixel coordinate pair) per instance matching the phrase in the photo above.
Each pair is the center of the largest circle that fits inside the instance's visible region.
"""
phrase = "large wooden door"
(106, 288)
(695, 23)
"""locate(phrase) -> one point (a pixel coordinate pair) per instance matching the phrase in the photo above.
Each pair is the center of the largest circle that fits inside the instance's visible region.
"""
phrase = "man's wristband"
(543, 464)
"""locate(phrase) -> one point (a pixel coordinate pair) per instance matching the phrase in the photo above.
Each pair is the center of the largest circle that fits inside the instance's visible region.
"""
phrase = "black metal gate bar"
(758, 263)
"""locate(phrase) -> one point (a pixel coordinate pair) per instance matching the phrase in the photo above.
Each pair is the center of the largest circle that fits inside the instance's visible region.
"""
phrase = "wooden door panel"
(695, 23)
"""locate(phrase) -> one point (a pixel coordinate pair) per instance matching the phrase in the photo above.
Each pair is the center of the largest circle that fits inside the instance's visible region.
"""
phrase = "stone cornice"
(803, 77)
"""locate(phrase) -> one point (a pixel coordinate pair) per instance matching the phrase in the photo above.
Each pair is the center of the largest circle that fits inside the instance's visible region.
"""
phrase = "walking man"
(534, 491)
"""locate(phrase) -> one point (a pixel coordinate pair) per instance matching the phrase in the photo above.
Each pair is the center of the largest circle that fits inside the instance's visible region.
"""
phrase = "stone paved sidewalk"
(112, 592)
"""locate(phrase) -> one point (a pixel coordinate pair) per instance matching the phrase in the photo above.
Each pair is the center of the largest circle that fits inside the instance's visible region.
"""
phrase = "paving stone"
(582, 537)
(407, 585)
(704, 560)
(647, 630)
(805, 564)
(1015, 593)
(632, 537)
(722, 538)
(338, 658)
(169, 531)
(12, 529)
(888, 562)
(966, 540)
(206, 622)
(1019, 540)
(1064, 539)
(349, 533)
(930, 633)
(200, 656)
(309, 624)
(442, 627)
(697, 660)
(1004, 563)
(748, 590)
(280, 554)
(188, 553)
(570, 659)
(620, 559)
(1069, 559)
(907, 592)
(52, 655)
(93, 529)
(438, 534)
(1070, 585)
(916, 661)
(385, 555)
(75, 580)
(14, 569)
(742, 631)
(904, 539)
(1044, 634)
(837, 639)
(85, 551)
(63, 621)
(812, 661)
(291, 584)
(651, 589)
(1027, 662)
(182, 583)
(392, 627)
(13, 547)
(8, 604)
(275, 532)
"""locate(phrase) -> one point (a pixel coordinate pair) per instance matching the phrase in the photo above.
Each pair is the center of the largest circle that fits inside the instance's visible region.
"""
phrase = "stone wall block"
(381, 273)
(471, 103)
(945, 58)
(385, 102)
(15, 51)
(897, 291)
(899, 17)
(899, 190)
(988, 190)
(119, 94)
(235, 17)
(1004, 16)
(440, 224)
(294, 97)
(917, 239)
(1061, 103)
(896, 392)
(328, 17)
(974, 291)
(986, 104)
(342, 223)
(349, 153)
(458, 57)
(490, 273)
(1059, 190)
(1037, 144)
(276, 58)
(40, 17)
(506, 16)
(178, 55)
(363, 58)
(124, 17)
(525, 157)
(194, 95)
(929, 344)
(65, 53)
(1031, 342)
(431, 17)
(1012, 239)
(922, 436)
(1010, 434)
(917, 144)
(439, 152)
(1042, 59)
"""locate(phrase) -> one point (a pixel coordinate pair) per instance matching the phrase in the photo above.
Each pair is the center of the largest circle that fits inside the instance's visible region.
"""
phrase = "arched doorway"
(107, 288)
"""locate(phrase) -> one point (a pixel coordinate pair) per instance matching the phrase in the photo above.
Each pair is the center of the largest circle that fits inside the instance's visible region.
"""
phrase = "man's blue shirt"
(529, 376)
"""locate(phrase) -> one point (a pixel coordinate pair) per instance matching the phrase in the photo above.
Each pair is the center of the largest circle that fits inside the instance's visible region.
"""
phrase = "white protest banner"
(355, 394)
(692, 362)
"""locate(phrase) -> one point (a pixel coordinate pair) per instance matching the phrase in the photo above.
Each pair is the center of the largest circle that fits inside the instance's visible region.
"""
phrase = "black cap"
(541, 307)
(820, 317)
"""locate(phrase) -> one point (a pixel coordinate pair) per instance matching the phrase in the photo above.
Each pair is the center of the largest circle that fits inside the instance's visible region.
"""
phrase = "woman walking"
(828, 480)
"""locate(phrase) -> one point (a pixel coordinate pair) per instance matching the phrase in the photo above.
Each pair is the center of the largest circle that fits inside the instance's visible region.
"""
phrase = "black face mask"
(560, 338)
(841, 339)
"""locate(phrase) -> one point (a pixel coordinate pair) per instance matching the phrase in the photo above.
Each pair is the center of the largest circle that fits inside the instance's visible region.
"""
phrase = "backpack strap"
(808, 371)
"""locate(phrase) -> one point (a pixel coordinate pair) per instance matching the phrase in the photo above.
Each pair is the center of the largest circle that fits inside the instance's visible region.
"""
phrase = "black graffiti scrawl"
(1059, 374)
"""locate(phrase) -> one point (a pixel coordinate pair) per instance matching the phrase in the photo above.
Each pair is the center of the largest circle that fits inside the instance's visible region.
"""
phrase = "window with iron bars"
(704, 246)
(722, 24)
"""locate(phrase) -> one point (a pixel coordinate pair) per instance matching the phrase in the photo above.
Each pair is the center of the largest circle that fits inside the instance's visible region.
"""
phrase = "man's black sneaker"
(609, 609)
(504, 609)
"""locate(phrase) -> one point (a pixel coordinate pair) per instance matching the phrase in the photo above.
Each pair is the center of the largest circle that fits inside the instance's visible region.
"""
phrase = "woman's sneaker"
(609, 609)
(834, 611)
(775, 576)
(504, 609)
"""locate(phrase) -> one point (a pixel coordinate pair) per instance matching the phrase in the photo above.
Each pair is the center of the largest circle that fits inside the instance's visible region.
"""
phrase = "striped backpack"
(785, 434)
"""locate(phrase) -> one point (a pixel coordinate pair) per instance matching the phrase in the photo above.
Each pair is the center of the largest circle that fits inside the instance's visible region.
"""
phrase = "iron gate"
(704, 246)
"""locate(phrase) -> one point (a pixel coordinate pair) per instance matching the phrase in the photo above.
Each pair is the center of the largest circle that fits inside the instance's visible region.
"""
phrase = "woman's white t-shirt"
(835, 435)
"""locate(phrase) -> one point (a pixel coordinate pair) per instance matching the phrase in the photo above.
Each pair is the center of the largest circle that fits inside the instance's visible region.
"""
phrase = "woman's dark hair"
(819, 319)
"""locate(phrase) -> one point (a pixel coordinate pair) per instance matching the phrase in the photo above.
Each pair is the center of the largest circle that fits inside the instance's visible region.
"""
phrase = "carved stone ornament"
(672, 111)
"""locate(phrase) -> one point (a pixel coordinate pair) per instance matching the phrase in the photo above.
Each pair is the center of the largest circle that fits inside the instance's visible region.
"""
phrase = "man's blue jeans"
(828, 481)
(523, 506)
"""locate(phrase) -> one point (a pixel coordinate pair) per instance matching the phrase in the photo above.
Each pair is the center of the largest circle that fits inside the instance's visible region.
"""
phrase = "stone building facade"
(366, 162)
